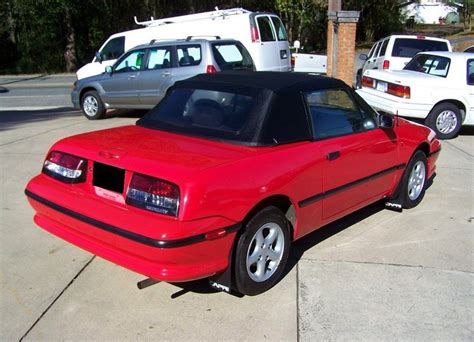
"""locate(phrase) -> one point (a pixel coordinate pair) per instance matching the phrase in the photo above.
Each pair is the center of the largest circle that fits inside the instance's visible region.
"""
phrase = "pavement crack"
(35, 135)
(458, 148)
(386, 264)
(57, 297)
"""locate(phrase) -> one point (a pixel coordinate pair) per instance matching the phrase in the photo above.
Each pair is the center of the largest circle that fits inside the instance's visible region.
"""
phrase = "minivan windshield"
(406, 47)
(215, 114)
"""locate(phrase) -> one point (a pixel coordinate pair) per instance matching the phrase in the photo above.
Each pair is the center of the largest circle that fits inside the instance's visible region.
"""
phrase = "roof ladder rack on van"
(192, 17)
(188, 38)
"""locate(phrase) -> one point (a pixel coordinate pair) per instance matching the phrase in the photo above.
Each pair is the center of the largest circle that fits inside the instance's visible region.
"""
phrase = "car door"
(370, 63)
(269, 49)
(470, 86)
(157, 75)
(120, 88)
(189, 61)
(360, 158)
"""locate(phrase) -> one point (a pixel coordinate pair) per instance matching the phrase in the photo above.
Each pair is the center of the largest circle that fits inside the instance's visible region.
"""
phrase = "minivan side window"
(384, 48)
(334, 113)
(279, 28)
(113, 49)
(371, 53)
(189, 55)
(265, 28)
(132, 62)
(160, 58)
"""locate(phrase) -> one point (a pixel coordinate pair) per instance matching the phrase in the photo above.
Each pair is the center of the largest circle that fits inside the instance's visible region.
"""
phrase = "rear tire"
(262, 252)
(92, 105)
(445, 119)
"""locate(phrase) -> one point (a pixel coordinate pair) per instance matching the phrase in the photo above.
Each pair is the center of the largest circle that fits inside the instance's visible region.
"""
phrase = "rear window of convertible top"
(229, 115)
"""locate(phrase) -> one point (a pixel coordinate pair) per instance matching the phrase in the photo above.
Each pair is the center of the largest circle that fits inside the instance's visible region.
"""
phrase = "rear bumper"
(178, 259)
(391, 104)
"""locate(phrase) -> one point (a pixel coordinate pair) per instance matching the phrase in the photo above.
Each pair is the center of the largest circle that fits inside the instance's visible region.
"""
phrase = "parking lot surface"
(374, 275)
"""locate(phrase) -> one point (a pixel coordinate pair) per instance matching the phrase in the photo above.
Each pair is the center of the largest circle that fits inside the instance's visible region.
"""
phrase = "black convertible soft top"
(274, 81)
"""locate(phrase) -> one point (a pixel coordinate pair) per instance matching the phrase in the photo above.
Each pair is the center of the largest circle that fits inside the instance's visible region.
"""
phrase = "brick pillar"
(342, 26)
(346, 52)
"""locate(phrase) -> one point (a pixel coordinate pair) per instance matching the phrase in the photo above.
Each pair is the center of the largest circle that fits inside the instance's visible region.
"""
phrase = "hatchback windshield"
(429, 64)
(215, 114)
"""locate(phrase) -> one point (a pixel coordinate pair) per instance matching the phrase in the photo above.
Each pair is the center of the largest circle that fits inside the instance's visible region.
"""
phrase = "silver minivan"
(140, 78)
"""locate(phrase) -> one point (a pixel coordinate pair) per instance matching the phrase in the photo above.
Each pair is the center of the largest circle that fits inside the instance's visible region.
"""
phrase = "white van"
(263, 34)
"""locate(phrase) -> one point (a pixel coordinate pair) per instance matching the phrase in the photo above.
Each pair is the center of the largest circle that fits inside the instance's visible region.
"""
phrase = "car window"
(429, 64)
(377, 51)
(279, 28)
(470, 72)
(159, 58)
(265, 28)
(231, 56)
(334, 113)
(131, 62)
(233, 114)
(405, 47)
(113, 49)
(189, 55)
(383, 49)
(371, 53)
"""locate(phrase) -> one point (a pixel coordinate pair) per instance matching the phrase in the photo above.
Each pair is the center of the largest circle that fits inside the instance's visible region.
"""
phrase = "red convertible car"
(226, 172)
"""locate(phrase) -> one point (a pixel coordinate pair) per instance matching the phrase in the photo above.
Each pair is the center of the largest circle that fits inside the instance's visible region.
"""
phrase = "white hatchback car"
(435, 86)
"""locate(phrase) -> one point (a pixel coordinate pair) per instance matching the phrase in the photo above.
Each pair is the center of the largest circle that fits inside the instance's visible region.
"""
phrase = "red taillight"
(153, 194)
(398, 90)
(211, 69)
(386, 64)
(65, 167)
(293, 60)
(367, 82)
(254, 34)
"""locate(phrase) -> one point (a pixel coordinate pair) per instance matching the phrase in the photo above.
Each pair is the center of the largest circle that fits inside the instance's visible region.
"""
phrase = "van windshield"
(406, 47)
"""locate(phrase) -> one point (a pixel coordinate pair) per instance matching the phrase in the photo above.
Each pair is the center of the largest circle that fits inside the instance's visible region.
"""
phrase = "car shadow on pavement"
(467, 130)
(11, 118)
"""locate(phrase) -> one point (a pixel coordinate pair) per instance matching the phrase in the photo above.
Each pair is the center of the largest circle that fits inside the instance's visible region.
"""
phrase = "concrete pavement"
(375, 275)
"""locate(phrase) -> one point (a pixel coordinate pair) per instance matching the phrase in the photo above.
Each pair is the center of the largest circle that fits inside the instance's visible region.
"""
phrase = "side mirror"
(386, 120)
(108, 70)
(98, 56)
(296, 44)
(363, 57)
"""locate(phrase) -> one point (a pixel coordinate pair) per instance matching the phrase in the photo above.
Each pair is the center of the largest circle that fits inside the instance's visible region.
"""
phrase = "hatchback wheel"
(262, 252)
(445, 119)
(92, 105)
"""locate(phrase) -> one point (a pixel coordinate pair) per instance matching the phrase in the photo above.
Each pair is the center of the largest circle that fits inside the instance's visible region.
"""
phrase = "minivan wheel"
(92, 105)
(262, 251)
(445, 119)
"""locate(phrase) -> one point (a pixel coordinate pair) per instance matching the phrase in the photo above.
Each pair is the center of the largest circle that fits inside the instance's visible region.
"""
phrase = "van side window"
(113, 49)
(189, 55)
(160, 58)
(265, 28)
(376, 52)
(371, 53)
(334, 113)
(279, 28)
(384, 48)
(131, 62)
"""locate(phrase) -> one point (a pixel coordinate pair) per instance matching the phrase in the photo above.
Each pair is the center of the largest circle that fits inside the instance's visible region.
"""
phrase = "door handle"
(333, 155)
(166, 73)
(131, 77)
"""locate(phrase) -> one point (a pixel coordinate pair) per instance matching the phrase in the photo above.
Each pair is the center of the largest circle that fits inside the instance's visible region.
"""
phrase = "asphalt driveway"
(375, 275)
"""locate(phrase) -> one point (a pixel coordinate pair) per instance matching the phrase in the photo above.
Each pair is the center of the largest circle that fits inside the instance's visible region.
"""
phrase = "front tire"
(413, 183)
(92, 105)
(262, 252)
(445, 119)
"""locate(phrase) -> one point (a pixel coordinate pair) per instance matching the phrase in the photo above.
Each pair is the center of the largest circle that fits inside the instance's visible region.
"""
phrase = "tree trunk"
(70, 50)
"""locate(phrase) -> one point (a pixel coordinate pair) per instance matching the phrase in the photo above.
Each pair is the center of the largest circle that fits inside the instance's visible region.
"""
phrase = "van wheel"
(445, 119)
(92, 105)
(262, 251)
